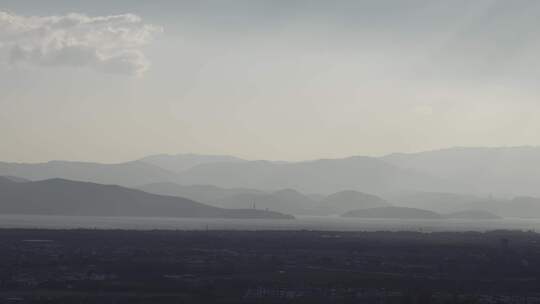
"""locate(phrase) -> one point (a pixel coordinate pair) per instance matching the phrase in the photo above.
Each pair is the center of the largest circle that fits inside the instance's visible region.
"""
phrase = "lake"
(330, 223)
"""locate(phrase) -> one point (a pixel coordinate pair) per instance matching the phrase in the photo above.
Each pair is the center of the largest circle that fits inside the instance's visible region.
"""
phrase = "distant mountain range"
(522, 206)
(207, 194)
(393, 212)
(347, 200)
(442, 202)
(443, 181)
(473, 215)
(364, 174)
(125, 174)
(14, 179)
(481, 171)
(65, 197)
(509, 171)
(286, 200)
(181, 162)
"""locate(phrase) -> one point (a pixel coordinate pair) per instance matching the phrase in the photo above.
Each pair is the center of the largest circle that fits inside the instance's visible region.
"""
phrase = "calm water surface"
(331, 223)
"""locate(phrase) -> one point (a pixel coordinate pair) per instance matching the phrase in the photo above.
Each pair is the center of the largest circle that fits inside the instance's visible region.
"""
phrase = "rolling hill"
(207, 194)
(66, 197)
(343, 201)
(285, 201)
(435, 201)
(479, 171)
(521, 207)
(473, 215)
(393, 213)
(365, 174)
(506, 170)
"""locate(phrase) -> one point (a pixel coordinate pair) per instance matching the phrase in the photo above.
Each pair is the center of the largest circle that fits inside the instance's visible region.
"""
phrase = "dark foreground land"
(96, 266)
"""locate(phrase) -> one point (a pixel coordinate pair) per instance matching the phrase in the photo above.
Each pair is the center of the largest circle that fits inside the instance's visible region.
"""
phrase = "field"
(121, 266)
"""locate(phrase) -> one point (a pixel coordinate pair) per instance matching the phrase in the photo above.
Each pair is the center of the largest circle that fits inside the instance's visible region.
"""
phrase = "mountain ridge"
(504, 171)
(66, 197)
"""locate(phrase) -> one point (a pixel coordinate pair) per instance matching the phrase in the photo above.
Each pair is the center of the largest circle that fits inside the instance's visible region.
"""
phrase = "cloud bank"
(111, 44)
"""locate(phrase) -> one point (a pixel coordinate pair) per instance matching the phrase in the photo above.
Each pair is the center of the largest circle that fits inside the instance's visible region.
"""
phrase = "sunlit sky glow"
(116, 80)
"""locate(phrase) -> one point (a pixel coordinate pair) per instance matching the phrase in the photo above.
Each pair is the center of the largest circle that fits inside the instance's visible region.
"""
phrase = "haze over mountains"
(500, 171)
(126, 174)
(406, 213)
(207, 194)
(444, 202)
(503, 181)
(286, 200)
(393, 212)
(365, 174)
(344, 201)
(508, 170)
(180, 162)
(65, 197)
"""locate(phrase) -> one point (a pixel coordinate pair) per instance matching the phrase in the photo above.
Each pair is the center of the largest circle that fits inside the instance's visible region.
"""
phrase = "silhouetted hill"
(14, 179)
(65, 197)
(502, 171)
(393, 213)
(524, 207)
(512, 170)
(316, 197)
(434, 201)
(344, 201)
(201, 193)
(473, 215)
(286, 201)
(126, 174)
(181, 162)
(363, 174)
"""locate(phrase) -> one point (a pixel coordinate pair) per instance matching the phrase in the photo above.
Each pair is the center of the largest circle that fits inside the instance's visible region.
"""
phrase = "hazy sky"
(116, 80)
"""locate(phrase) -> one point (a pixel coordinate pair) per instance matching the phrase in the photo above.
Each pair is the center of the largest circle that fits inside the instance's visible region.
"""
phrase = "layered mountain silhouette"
(442, 202)
(286, 200)
(509, 171)
(504, 172)
(393, 213)
(469, 206)
(473, 215)
(347, 200)
(521, 207)
(126, 174)
(65, 197)
(181, 162)
(365, 174)
(207, 194)
(14, 179)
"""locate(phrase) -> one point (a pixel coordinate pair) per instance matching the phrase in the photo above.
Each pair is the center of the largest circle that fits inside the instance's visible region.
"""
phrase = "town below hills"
(465, 183)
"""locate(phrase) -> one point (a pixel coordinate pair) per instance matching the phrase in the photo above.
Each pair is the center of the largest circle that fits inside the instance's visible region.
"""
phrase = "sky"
(111, 81)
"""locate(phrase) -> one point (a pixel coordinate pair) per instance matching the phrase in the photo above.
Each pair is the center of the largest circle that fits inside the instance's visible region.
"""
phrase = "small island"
(473, 215)
(393, 213)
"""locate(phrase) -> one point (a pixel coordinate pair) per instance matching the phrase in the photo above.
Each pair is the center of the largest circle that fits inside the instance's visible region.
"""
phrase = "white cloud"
(110, 44)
